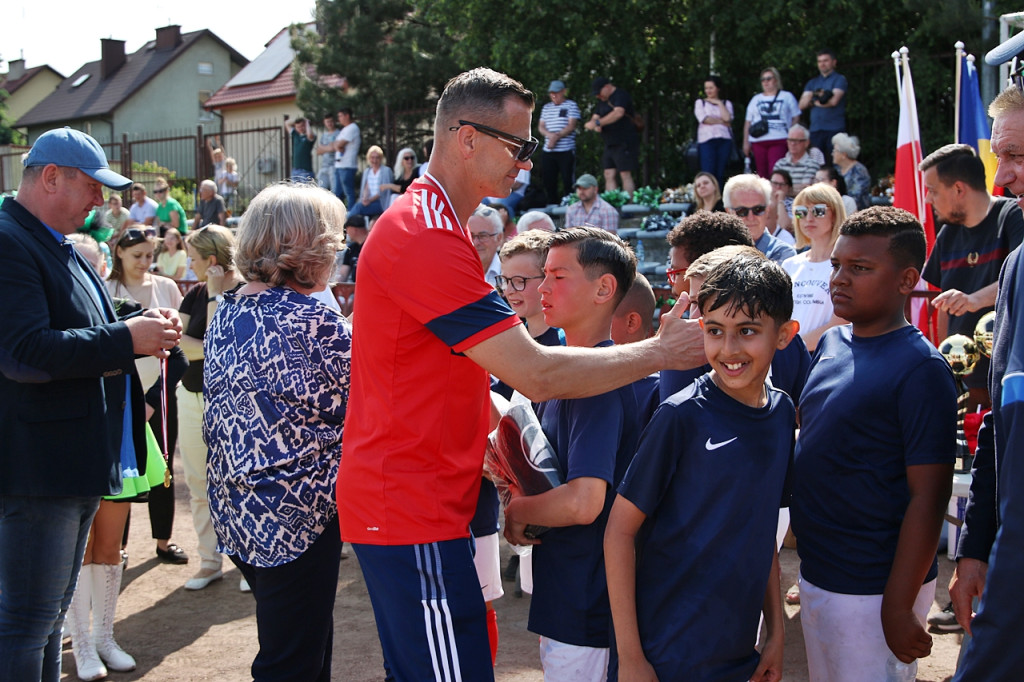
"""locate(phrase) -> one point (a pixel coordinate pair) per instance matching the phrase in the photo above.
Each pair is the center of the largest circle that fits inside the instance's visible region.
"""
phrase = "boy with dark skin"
(892, 432)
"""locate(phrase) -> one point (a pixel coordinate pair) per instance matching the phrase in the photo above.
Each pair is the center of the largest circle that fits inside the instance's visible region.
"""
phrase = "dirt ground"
(175, 634)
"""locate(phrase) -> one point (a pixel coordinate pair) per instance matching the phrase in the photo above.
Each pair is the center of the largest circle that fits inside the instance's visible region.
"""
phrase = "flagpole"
(896, 64)
(959, 45)
(911, 103)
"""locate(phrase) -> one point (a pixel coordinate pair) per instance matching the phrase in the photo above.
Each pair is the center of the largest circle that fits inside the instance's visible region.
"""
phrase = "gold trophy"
(962, 354)
(983, 332)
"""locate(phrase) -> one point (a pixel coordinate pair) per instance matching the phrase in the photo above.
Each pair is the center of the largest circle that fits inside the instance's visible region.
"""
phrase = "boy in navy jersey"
(586, 275)
(874, 462)
(690, 545)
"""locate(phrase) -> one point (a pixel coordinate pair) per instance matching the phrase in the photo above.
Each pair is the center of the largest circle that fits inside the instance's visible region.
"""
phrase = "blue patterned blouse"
(276, 386)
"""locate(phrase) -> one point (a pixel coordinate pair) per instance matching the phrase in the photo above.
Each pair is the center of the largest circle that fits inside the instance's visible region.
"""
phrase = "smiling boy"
(692, 530)
(874, 462)
(586, 275)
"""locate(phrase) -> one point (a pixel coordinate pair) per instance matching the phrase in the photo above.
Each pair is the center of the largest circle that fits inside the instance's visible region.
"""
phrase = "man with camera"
(825, 96)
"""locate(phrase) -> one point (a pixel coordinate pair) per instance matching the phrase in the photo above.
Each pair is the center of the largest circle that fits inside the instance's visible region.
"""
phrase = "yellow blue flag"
(974, 128)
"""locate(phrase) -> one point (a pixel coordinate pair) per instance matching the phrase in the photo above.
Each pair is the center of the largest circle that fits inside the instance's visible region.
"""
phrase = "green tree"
(395, 63)
(8, 134)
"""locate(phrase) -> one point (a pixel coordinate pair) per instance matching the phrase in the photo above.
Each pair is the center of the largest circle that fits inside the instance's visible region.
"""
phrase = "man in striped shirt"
(558, 119)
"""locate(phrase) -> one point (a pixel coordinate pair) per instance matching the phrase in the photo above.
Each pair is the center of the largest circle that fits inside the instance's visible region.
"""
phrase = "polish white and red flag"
(908, 181)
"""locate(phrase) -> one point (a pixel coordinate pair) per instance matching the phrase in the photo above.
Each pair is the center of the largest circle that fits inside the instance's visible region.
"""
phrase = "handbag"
(760, 128)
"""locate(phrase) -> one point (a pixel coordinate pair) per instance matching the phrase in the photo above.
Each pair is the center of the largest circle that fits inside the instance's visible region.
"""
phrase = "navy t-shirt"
(871, 407)
(592, 437)
(710, 474)
(828, 118)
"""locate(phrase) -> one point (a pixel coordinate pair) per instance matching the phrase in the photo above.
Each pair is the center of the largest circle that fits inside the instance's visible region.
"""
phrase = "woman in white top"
(172, 261)
(777, 110)
(818, 212)
(374, 194)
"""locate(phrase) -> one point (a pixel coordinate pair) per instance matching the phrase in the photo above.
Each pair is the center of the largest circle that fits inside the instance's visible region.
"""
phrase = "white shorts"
(843, 634)
(488, 566)
(571, 663)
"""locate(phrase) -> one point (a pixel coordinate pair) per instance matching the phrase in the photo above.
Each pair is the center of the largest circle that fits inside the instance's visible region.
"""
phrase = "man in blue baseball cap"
(69, 402)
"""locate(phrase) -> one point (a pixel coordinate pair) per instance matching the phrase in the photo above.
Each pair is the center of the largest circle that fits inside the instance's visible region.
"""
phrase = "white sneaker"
(243, 585)
(203, 578)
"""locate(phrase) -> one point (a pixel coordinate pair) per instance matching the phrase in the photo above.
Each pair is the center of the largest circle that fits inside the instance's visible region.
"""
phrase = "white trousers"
(193, 461)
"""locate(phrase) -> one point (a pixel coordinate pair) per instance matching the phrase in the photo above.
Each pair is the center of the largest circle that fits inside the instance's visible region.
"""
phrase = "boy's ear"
(633, 321)
(909, 277)
(606, 286)
(787, 330)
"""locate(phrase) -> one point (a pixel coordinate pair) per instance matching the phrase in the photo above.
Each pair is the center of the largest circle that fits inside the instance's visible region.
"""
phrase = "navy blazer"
(63, 361)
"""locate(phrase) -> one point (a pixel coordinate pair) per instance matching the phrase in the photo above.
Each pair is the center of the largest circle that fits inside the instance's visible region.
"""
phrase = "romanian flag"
(908, 186)
(974, 128)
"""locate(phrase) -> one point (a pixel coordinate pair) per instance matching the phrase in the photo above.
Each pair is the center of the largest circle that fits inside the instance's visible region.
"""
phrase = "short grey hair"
(290, 233)
(800, 129)
(208, 184)
(847, 144)
(747, 181)
(535, 220)
(491, 215)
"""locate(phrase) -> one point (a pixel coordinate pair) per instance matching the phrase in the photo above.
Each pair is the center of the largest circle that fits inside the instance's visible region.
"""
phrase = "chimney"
(15, 69)
(111, 56)
(168, 37)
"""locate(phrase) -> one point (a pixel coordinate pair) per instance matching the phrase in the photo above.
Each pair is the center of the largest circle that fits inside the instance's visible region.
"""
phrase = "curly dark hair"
(703, 232)
(906, 236)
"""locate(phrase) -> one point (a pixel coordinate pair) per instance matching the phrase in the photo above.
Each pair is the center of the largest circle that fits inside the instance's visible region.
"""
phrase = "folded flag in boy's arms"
(520, 460)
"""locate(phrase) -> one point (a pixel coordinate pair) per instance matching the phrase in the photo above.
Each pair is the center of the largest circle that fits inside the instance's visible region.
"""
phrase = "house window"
(205, 68)
(205, 115)
(81, 79)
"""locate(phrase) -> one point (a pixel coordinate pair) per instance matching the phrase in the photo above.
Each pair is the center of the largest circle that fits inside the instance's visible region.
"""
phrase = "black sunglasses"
(742, 211)
(131, 237)
(525, 148)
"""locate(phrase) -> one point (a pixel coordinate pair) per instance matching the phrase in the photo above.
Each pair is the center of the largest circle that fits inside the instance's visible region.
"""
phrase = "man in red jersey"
(430, 331)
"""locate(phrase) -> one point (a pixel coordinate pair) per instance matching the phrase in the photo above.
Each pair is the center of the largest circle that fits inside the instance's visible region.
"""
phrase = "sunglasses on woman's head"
(131, 237)
(818, 210)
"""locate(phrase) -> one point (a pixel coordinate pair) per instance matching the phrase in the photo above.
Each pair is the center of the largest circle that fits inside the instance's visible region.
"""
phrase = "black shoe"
(172, 555)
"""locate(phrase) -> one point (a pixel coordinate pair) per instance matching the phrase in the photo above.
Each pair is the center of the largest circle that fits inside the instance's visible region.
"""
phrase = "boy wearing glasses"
(587, 273)
(749, 198)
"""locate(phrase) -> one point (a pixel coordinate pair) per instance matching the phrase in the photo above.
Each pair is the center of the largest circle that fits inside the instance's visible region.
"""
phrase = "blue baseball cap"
(556, 86)
(74, 149)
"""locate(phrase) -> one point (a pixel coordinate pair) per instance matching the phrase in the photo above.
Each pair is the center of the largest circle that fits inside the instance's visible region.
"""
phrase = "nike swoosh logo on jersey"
(714, 446)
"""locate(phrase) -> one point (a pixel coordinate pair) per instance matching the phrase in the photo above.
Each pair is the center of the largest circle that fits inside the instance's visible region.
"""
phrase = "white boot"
(87, 661)
(106, 588)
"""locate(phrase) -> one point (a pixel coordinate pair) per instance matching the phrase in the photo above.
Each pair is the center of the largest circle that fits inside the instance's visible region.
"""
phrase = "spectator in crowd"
(818, 212)
(507, 220)
(614, 119)
(169, 213)
(217, 156)
(211, 249)
(273, 508)
(402, 175)
(535, 220)
(591, 209)
(707, 192)
(830, 176)
(557, 127)
(801, 161)
(227, 182)
(434, 326)
(825, 96)
(374, 190)
(356, 233)
(428, 147)
(771, 113)
(303, 140)
(117, 216)
(977, 233)
(845, 150)
(748, 197)
(325, 150)
(780, 209)
(67, 355)
(488, 235)
(131, 279)
(143, 209)
(346, 157)
(172, 261)
(714, 129)
(210, 210)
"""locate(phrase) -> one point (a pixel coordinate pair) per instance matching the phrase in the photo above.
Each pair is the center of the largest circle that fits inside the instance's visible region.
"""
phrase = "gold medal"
(167, 478)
